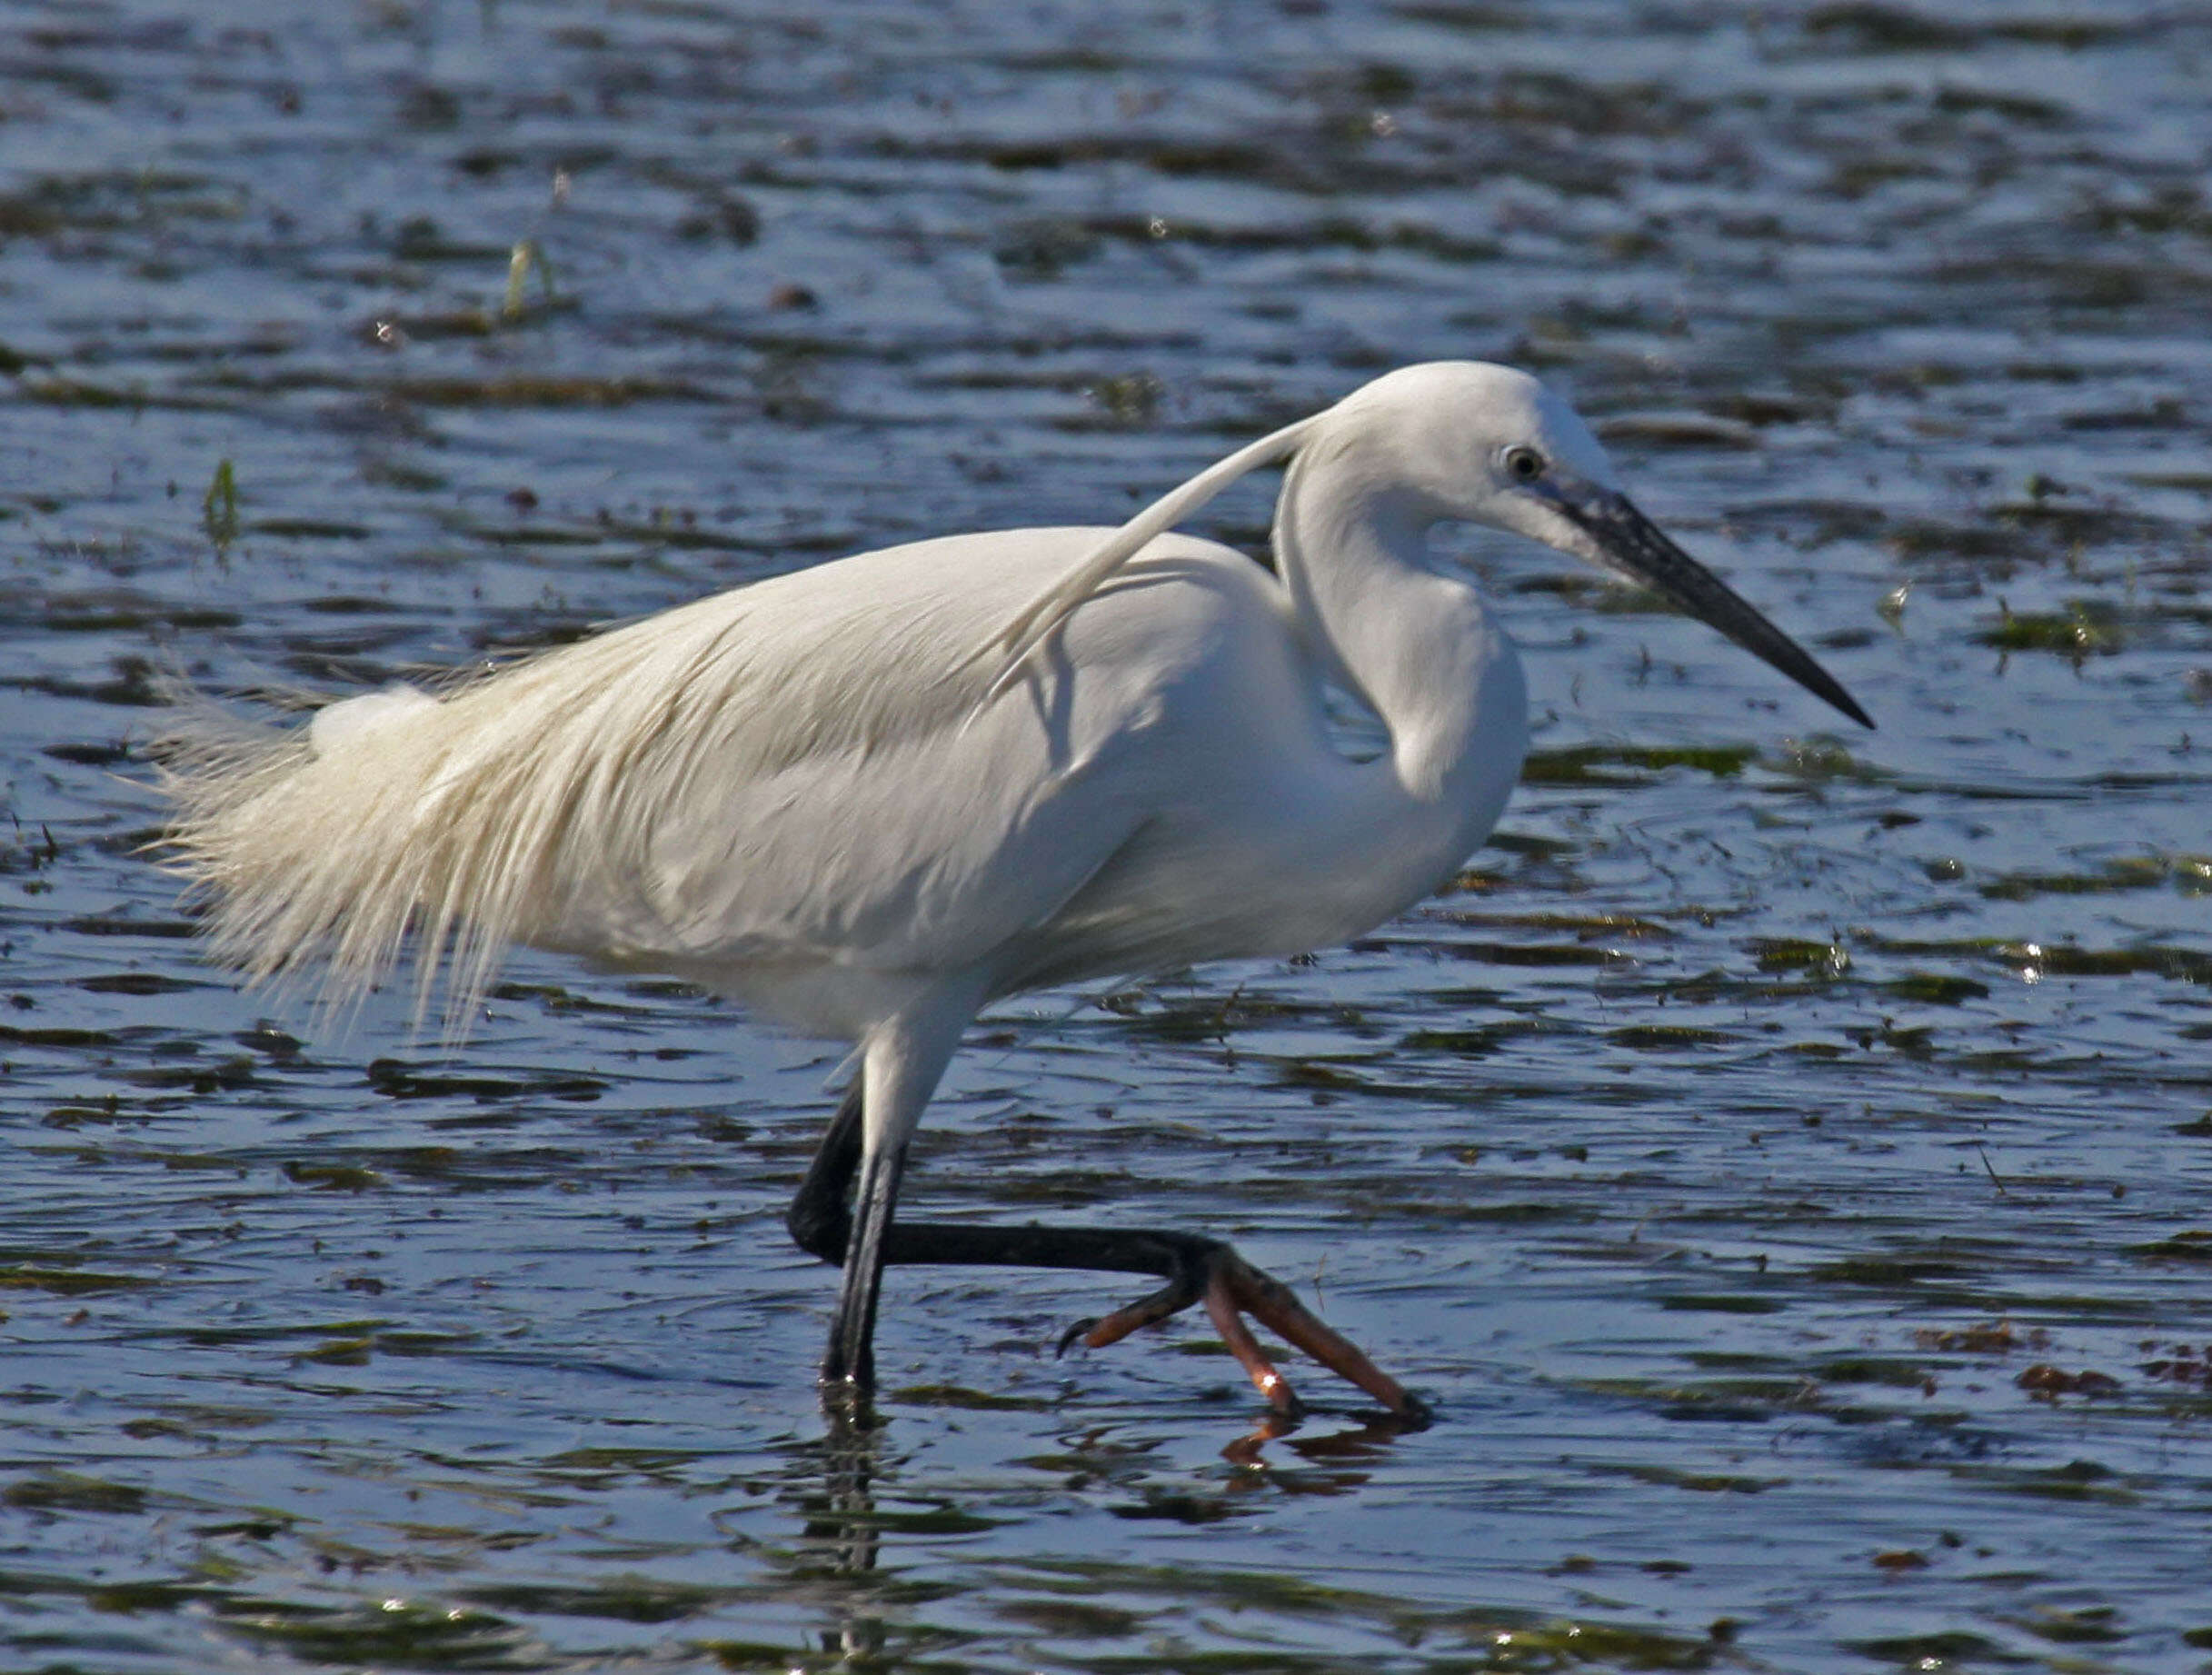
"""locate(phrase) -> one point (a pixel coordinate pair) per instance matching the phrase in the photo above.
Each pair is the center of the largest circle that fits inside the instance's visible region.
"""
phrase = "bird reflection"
(842, 1532)
(844, 1491)
(1367, 1439)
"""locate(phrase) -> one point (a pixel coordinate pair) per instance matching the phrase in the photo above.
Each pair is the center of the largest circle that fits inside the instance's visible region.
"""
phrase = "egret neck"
(1418, 646)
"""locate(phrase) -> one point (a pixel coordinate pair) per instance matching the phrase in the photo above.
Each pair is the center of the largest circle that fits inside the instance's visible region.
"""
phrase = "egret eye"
(1524, 464)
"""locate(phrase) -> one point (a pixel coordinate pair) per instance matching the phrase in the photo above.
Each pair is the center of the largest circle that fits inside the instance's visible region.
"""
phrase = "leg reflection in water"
(860, 1517)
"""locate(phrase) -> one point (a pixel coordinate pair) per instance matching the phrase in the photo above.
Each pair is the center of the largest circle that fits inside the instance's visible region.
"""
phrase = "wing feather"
(793, 772)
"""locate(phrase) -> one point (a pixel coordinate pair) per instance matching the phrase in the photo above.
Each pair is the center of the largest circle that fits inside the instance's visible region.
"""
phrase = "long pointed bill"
(1628, 542)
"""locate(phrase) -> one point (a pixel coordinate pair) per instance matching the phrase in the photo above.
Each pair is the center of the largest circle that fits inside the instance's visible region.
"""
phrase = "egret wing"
(787, 779)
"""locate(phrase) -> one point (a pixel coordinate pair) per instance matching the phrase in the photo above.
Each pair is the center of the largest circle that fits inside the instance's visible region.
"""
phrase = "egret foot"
(1210, 1273)
(1196, 1270)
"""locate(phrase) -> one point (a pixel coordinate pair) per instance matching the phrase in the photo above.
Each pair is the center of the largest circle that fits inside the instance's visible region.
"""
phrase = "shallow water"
(1783, 1160)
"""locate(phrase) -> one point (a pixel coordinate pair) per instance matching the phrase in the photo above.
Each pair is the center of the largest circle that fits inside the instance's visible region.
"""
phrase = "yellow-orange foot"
(1231, 1288)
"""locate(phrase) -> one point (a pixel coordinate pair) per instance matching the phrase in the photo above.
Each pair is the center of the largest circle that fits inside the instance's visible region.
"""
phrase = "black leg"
(1197, 1270)
(819, 1222)
(849, 1368)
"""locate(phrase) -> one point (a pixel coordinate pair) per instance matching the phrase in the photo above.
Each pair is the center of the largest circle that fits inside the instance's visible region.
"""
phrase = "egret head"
(1488, 444)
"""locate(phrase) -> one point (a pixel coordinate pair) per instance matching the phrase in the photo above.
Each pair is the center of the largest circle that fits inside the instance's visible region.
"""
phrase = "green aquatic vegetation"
(2194, 1246)
(333, 1177)
(1941, 1650)
(393, 1633)
(2036, 961)
(2198, 481)
(542, 390)
(2071, 960)
(1497, 1638)
(961, 1396)
(1063, 1189)
(422, 1344)
(339, 1353)
(1129, 398)
(1934, 989)
(1309, 1073)
(1475, 1043)
(1871, 1370)
(617, 1464)
(1215, 1019)
(1697, 1482)
(2190, 874)
(1913, 539)
(1181, 1506)
(1561, 1645)
(66, 1282)
(526, 256)
(311, 529)
(538, 537)
(202, 1420)
(1530, 953)
(1954, 100)
(59, 1035)
(1073, 1619)
(750, 1655)
(1888, 1271)
(1244, 1588)
(129, 1598)
(217, 1336)
(69, 1491)
(77, 392)
(1042, 248)
(184, 1160)
(1512, 1213)
(2077, 1480)
(397, 1079)
(2086, 628)
(1531, 843)
(2078, 523)
(1669, 1037)
(119, 612)
(1743, 1401)
(1783, 953)
(1632, 764)
(2088, 1625)
(219, 506)
(618, 1599)
(1588, 924)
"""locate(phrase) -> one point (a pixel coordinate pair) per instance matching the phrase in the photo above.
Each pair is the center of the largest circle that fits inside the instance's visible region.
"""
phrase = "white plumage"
(868, 797)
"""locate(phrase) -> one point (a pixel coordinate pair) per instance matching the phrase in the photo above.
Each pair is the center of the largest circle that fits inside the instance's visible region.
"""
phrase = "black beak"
(1632, 544)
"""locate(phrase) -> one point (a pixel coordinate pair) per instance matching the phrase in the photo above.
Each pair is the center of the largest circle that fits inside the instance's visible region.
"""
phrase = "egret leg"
(900, 1066)
(850, 1363)
(1198, 1270)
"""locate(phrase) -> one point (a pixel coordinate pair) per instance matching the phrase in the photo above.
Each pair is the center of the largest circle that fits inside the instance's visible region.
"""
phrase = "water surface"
(1783, 1158)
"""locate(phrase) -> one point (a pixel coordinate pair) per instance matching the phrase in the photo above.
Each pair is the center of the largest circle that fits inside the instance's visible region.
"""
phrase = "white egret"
(871, 797)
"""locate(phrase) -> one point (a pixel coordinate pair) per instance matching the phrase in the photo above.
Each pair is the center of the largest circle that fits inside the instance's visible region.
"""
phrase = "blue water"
(1783, 1160)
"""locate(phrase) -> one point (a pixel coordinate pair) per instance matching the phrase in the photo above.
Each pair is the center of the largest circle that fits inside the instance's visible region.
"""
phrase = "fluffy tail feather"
(473, 819)
(322, 846)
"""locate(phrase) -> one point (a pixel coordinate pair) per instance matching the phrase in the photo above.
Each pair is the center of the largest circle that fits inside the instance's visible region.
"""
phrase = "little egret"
(870, 798)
